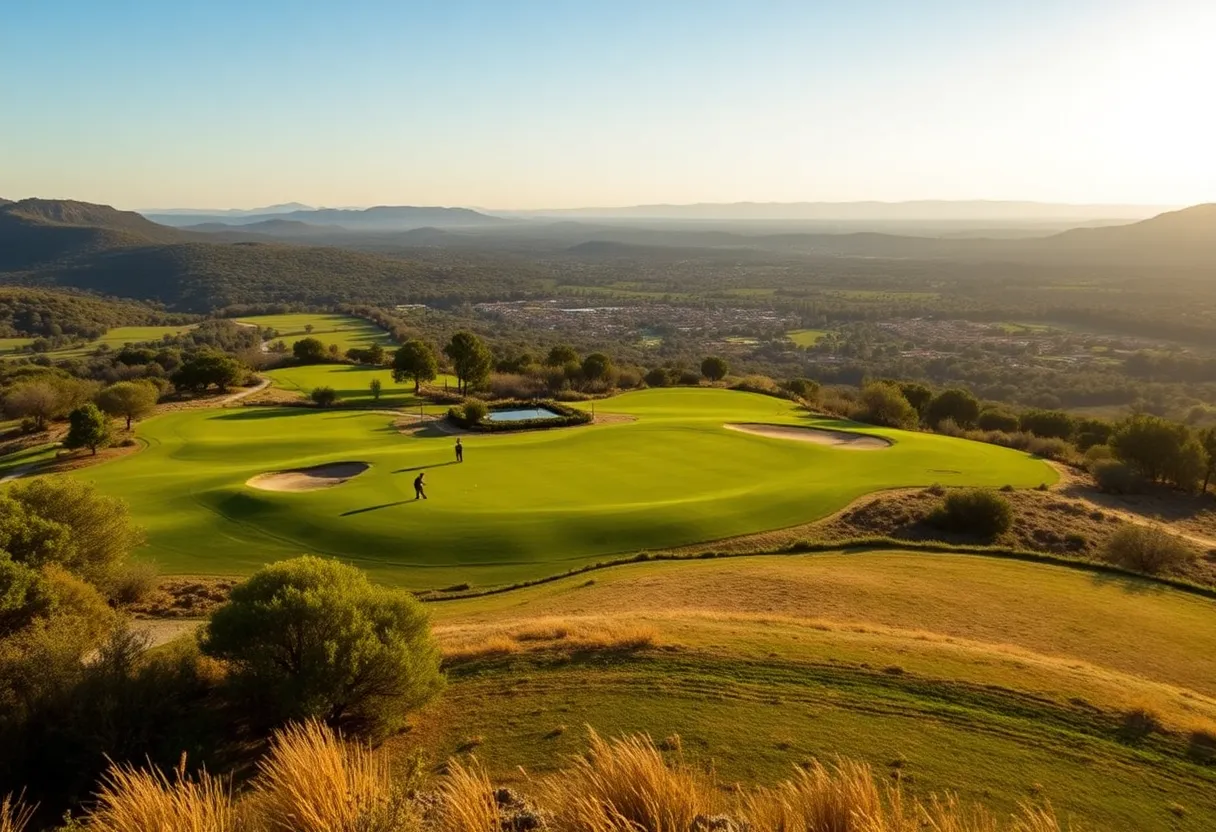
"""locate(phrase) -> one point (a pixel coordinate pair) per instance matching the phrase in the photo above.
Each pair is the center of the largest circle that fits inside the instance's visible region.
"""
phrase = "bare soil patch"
(308, 479)
(820, 436)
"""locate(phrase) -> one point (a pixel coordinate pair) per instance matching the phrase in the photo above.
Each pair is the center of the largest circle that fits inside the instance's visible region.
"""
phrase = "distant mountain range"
(379, 218)
(919, 211)
(216, 264)
(284, 208)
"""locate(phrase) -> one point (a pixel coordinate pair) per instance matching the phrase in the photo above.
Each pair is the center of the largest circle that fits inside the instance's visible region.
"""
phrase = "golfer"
(459, 451)
(419, 492)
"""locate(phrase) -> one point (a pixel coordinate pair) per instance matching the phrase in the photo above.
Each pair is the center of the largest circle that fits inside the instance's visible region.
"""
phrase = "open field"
(344, 330)
(1002, 680)
(115, 339)
(806, 337)
(351, 382)
(522, 505)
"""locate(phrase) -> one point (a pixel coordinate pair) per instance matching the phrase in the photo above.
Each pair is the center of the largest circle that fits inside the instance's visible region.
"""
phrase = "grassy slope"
(351, 382)
(806, 337)
(343, 330)
(115, 339)
(523, 505)
(1003, 680)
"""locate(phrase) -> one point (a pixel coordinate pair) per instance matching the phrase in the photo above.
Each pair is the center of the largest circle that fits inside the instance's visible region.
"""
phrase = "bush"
(803, 388)
(516, 386)
(657, 377)
(475, 411)
(1097, 453)
(955, 404)
(882, 403)
(313, 638)
(974, 511)
(1049, 448)
(132, 583)
(996, 419)
(714, 368)
(1115, 477)
(1050, 424)
(324, 396)
(1148, 549)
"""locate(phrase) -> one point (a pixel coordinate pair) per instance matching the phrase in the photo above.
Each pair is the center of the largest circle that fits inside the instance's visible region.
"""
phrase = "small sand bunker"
(820, 436)
(308, 479)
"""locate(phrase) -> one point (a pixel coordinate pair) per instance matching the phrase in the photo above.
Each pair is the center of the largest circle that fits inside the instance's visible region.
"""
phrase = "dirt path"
(1157, 510)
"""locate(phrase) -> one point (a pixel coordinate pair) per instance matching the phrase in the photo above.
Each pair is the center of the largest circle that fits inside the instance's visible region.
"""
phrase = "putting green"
(521, 505)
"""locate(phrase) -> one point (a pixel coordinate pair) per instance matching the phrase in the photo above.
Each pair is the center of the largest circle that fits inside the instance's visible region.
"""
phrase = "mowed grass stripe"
(521, 506)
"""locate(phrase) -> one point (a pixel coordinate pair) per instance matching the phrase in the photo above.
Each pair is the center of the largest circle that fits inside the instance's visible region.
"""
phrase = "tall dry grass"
(467, 802)
(625, 785)
(15, 814)
(314, 781)
(131, 800)
(591, 632)
(844, 798)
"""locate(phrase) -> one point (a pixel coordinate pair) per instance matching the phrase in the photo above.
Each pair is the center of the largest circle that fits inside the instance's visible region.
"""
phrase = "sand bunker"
(820, 436)
(308, 479)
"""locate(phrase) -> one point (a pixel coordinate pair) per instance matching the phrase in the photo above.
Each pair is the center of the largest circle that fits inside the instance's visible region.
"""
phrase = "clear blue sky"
(527, 104)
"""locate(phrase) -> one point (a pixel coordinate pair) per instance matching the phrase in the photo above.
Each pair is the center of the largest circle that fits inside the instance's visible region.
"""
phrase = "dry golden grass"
(466, 801)
(313, 781)
(840, 799)
(14, 814)
(131, 800)
(625, 785)
(480, 641)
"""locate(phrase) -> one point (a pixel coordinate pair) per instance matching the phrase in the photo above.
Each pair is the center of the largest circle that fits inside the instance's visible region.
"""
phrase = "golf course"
(663, 470)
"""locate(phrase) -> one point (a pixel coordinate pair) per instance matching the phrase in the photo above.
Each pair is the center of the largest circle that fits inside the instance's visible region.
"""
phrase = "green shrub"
(997, 419)
(1115, 477)
(475, 411)
(882, 403)
(1097, 453)
(974, 511)
(324, 396)
(313, 638)
(1049, 448)
(1148, 549)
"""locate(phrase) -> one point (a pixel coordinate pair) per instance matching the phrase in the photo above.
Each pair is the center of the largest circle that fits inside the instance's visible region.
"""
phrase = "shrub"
(714, 368)
(1049, 448)
(882, 403)
(1148, 549)
(308, 350)
(324, 396)
(955, 404)
(803, 388)
(475, 411)
(132, 583)
(313, 638)
(997, 419)
(515, 386)
(1050, 424)
(688, 378)
(657, 377)
(1097, 453)
(974, 511)
(1115, 477)
(948, 427)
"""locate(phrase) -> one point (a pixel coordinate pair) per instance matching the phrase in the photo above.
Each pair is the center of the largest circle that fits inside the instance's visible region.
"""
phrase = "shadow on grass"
(355, 511)
(254, 414)
(424, 467)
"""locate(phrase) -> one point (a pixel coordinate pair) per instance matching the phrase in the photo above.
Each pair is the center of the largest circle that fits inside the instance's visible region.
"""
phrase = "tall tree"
(596, 366)
(957, 405)
(129, 400)
(471, 360)
(561, 355)
(415, 360)
(714, 368)
(89, 428)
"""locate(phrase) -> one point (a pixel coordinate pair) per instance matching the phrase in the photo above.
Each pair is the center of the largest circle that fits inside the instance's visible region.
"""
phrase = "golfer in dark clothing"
(419, 493)
(459, 451)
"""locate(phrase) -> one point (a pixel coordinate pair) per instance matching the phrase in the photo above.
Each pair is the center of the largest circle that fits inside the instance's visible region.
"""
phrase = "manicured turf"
(115, 339)
(1000, 680)
(806, 337)
(522, 505)
(344, 330)
(352, 382)
(10, 346)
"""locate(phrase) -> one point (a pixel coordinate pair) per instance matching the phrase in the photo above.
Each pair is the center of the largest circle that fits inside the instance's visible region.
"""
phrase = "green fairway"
(522, 505)
(806, 337)
(344, 330)
(352, 384)
(1000, 680)
(9, 346)
(115, 339)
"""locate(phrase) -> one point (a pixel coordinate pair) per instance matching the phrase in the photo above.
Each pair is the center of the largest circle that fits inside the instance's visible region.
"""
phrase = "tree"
(37, 400)
(205, 369)
(313, 638)
(884, 404)
(375, 386)
(714, 368)
(1207, 438)
(596, 366)
(89, 428)
(415, 360)
(309, 351)
(957, 405)
(324, 396)
(917, 394)
(308, 329)
(1149, 444)
(561, 355)
(471, 360)
(1050, 424)
(995, 418)
(804, 388)
(658, 377)
(24, 595)
(128, 399)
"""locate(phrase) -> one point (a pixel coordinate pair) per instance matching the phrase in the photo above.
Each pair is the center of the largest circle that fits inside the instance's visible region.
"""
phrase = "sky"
(517, 104)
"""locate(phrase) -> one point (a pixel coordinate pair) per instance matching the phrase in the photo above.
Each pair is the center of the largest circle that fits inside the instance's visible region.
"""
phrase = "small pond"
(522, 414)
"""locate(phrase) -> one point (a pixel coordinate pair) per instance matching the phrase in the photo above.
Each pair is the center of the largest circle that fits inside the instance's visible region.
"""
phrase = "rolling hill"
(379, 218)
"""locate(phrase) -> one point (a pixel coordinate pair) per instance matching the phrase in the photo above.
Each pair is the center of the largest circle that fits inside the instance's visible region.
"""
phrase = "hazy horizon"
(551, 106)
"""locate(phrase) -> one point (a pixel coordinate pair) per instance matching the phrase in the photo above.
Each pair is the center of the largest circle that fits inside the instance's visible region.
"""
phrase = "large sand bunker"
(820, 436)
(308, 479)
